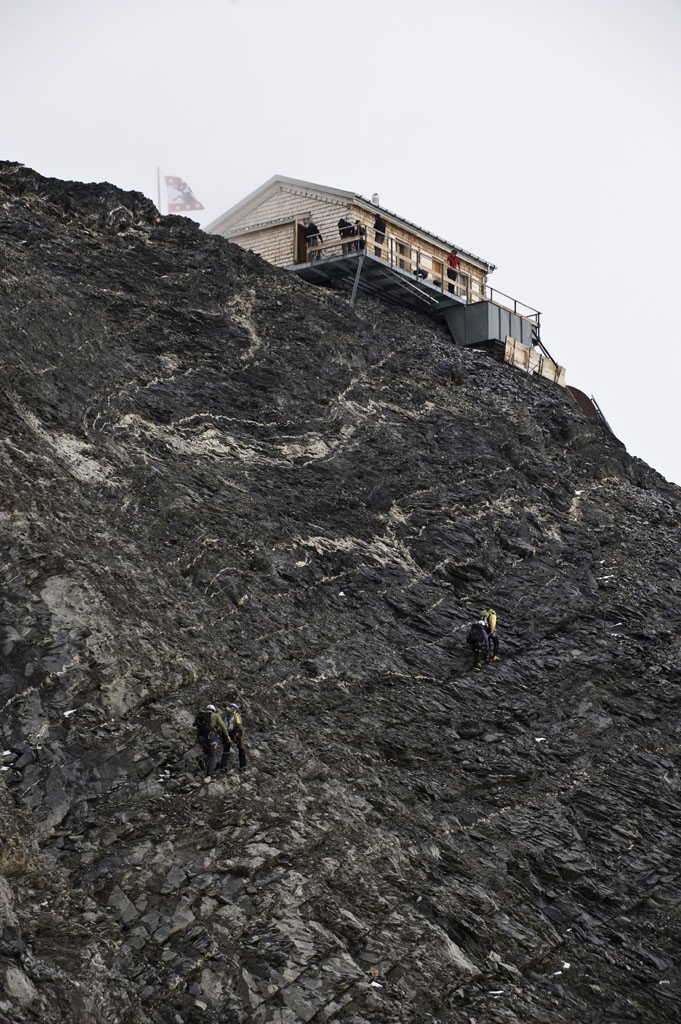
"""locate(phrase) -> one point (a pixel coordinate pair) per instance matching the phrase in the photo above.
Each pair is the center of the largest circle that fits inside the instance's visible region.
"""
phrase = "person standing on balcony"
(313, 239)
(345, 231)
(453, 264)
(379, 234)
(361, 235)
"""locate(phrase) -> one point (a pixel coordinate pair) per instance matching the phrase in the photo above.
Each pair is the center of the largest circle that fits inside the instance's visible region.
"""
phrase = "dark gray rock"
(220, 483)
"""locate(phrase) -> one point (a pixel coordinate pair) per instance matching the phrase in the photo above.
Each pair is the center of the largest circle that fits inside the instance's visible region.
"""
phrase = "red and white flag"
(180, 196)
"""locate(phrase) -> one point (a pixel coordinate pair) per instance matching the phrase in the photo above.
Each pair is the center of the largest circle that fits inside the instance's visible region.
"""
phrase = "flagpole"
(158, 187)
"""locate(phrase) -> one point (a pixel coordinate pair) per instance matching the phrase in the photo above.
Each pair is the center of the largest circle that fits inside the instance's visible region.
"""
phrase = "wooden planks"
(533, 361)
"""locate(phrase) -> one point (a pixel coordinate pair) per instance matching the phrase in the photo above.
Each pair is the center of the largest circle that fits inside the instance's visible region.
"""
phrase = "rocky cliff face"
(220, 483)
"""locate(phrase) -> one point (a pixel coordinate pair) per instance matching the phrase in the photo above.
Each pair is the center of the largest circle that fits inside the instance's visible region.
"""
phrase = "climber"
(478, 642)
(235, 727)
(209, 728)
(490, 617)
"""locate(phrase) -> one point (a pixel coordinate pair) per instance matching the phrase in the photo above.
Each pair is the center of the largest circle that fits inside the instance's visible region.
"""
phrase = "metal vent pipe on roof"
(376, 199)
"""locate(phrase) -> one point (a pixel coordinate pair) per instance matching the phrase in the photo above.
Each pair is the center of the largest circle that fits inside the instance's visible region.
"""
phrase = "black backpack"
(477, 634)
(203, 725)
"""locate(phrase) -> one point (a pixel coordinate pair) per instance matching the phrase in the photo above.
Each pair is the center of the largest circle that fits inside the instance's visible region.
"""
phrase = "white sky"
(542, 135)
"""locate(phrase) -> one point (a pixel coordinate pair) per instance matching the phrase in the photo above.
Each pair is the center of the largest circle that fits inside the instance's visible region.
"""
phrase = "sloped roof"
(227, 218)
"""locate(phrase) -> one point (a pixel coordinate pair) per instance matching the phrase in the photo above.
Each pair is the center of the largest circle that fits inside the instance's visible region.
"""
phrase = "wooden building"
(272, 220)
(295, 225)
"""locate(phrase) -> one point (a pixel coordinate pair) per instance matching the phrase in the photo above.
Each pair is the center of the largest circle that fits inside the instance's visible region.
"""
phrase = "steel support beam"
(355, 286)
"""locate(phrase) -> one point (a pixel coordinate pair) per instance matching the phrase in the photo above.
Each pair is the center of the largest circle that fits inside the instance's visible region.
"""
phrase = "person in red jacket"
(453, 264)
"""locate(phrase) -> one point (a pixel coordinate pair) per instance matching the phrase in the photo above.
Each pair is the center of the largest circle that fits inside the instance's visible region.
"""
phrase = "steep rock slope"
(221, 483)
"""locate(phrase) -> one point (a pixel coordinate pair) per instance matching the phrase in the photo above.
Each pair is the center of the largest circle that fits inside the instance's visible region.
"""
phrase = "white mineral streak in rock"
(68, 450)
(384, 551)
(220, 444)
(241, 309)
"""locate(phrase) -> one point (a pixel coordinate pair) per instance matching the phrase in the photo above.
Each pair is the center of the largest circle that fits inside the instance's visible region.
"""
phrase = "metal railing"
(323, 250)
(519, 308)
(399, 253)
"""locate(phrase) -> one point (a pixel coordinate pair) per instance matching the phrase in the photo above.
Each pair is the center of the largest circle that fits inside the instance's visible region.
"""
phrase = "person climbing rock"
(209, 728)
(490, 618)
(235, 727)
(478, 642)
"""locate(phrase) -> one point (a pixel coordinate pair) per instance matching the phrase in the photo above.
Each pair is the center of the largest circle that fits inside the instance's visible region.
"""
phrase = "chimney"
(375, 199)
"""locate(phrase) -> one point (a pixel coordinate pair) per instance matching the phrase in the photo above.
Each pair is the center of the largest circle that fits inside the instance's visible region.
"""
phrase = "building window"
(403, 256)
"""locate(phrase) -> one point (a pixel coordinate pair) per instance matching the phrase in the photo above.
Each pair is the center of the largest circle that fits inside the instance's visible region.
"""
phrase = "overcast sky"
(542, 135)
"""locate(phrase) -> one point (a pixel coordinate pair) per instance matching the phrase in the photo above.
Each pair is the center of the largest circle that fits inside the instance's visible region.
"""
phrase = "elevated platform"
(360, 271)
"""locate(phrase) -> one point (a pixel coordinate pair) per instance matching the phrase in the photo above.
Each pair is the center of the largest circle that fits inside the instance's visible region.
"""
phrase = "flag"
(180, 196)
